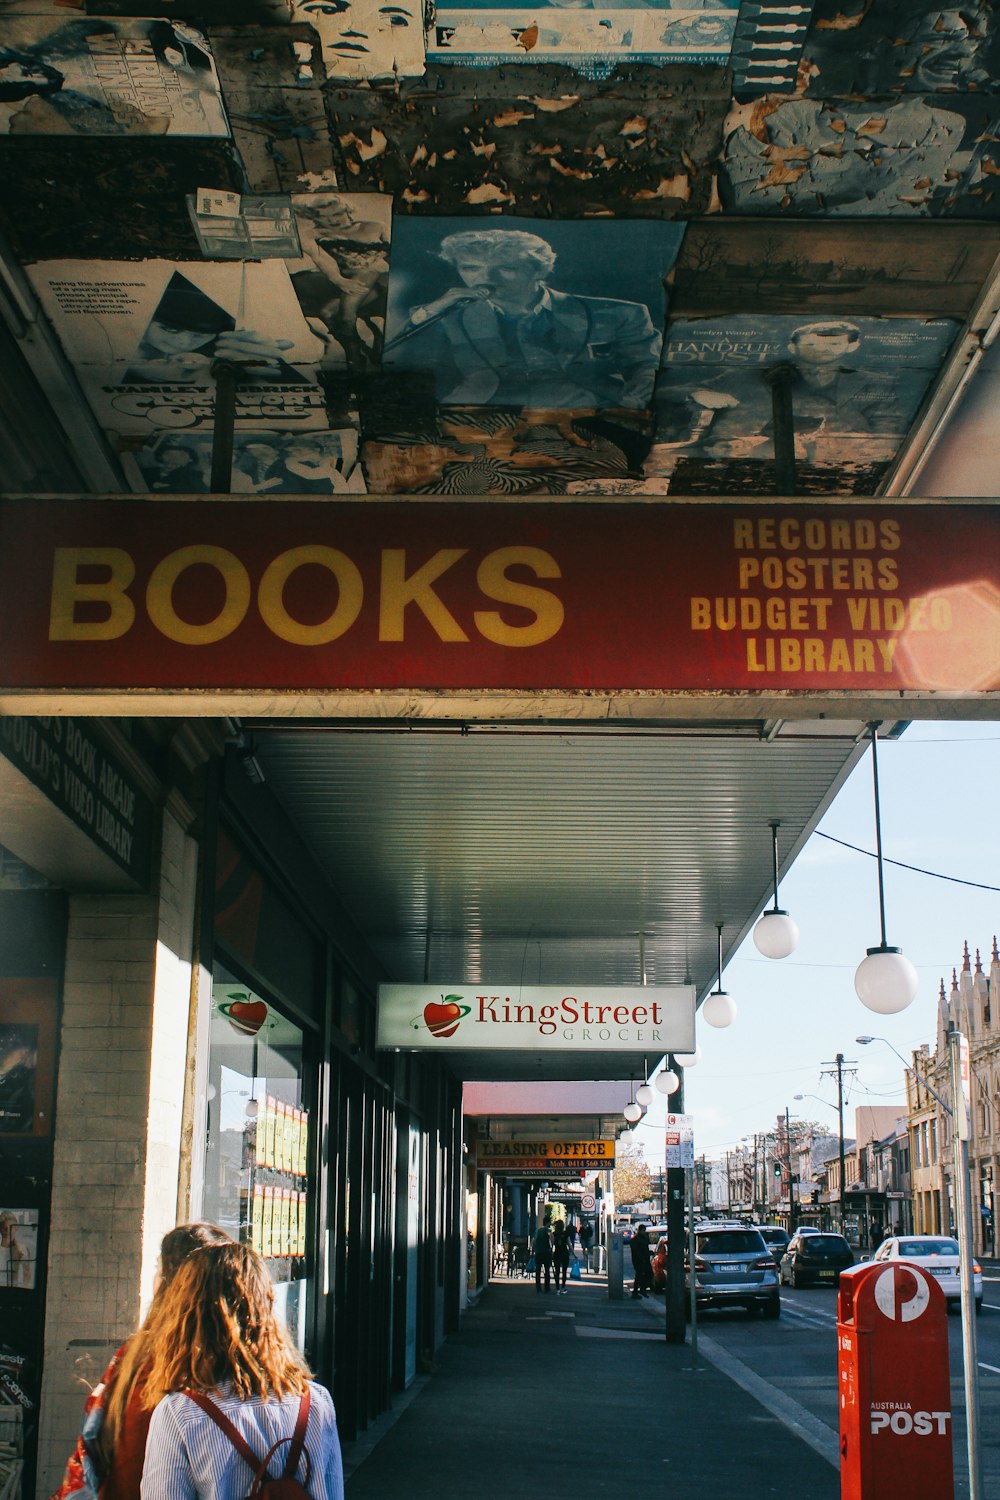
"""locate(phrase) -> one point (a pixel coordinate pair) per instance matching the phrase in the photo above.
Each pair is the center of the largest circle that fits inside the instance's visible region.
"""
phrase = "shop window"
(259, 1139)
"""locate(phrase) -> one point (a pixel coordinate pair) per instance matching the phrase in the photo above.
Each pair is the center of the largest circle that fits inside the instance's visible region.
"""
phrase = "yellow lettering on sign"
(398, 591)
(68, 591)
(544, 605)
(271, 595)
(160, 592)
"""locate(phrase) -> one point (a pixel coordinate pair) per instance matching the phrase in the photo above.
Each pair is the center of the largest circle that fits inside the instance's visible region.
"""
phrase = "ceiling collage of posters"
(473, 248)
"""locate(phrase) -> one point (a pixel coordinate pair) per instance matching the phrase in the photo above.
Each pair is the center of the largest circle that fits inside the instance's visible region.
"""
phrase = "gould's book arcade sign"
(321, 596)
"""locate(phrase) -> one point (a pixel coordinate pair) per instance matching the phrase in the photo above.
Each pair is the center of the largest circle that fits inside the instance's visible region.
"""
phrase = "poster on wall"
(908, 156)
(856, 386)
(74, 75)
(530, 312)
(362, 39)
(18, 1248)
(341, 278)
(581, 34)
(900, 46)
(266, 462)
(143, 337)
(483, 452)
(18, 1078)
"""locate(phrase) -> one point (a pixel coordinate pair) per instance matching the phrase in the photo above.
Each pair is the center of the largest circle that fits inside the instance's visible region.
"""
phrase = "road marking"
(812, 1318)
(821, 1438)
(992, 1368)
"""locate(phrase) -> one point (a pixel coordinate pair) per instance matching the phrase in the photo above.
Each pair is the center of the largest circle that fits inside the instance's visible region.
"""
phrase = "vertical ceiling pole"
(780, 379)
(224, 373)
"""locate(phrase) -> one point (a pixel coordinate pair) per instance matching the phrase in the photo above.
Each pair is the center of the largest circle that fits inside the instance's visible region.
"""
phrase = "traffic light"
(815, 1195)
(777, 1170)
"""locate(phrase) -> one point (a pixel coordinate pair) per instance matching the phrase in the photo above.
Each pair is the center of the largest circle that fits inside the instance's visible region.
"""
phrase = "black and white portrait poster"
(94, 75)
(857, 385)
(529, 312)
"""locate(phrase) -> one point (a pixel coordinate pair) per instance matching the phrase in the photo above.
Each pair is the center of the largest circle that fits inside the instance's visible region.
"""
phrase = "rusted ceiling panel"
(545, 142)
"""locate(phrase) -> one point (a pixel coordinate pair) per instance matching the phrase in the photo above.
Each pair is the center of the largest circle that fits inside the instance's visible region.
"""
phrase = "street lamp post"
(958, 1113)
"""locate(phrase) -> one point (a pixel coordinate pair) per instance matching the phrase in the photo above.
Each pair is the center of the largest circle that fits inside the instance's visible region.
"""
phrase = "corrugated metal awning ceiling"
(554, 855)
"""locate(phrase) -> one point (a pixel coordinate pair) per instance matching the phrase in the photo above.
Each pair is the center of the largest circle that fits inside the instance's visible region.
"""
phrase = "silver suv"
(733, 1266)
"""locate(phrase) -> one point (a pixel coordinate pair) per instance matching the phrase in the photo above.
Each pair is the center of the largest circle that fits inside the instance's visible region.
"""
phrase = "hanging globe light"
(644, 1095)
(688, 1059)
(885, 981)
(719, 1009)
(667, 1082)
(776, 933)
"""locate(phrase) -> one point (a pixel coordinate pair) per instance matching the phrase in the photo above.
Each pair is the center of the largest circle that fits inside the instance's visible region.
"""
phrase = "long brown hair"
(216, 1324)
(175, 1248)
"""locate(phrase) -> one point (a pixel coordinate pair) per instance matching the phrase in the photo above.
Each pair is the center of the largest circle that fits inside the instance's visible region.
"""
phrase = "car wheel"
(979, 1306)
(796, 1280)
(772, 1309)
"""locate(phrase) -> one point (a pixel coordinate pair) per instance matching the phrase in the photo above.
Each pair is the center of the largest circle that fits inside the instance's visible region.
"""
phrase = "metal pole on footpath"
(958, 1057)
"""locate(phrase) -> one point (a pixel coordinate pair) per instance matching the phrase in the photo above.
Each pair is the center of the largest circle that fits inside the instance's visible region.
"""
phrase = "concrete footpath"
(576, 1397)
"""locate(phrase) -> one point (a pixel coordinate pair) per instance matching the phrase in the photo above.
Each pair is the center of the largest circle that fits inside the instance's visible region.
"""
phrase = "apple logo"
(442, 1018)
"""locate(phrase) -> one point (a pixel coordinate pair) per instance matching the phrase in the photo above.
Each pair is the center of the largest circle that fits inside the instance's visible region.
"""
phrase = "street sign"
(679, 1138)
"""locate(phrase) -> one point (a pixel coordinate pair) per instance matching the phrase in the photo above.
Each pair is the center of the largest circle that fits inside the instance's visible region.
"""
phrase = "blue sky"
(939, 790)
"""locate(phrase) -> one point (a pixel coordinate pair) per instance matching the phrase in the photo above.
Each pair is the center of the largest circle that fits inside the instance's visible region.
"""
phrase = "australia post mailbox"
(894, 1384)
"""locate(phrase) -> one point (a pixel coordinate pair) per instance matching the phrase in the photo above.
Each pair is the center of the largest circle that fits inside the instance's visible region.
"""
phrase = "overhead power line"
(934, 874)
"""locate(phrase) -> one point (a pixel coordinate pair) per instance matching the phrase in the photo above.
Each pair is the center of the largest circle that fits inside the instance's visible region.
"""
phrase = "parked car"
(816, 1259)
(937, 1254)
(775, 1238)
(733, 1267)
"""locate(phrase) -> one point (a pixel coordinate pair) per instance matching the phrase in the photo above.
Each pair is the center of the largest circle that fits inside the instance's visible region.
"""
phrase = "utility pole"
(791, 1180)
(836, 1069)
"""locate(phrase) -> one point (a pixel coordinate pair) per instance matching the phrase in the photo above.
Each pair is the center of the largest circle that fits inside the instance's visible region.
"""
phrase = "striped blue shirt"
(189, 1458)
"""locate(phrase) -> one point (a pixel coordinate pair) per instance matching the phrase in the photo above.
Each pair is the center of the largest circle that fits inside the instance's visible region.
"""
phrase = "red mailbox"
(894, 1384)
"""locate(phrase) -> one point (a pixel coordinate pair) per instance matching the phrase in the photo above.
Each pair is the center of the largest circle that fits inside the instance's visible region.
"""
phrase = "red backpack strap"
(298, 1440)
(221, 1421)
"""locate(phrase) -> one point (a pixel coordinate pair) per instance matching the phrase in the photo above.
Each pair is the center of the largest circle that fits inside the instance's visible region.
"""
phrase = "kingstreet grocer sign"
(478, 1016)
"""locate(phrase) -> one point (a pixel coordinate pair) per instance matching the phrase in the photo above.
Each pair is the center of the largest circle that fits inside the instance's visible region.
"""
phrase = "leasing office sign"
(328, 596)
(484, 1017)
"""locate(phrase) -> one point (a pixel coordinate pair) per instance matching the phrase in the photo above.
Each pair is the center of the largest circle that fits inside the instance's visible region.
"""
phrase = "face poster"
(72, 75)
(361, 39)
(530, 313)
(582, 32)
(143, 337)
(857, 384)
(900, 46)
(18, 1248)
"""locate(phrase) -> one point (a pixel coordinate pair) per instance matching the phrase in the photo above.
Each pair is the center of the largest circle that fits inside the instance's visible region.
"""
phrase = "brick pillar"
(116, 1165)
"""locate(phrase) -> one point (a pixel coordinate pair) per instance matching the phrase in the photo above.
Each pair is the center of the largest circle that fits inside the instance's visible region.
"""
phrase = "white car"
(937, 1254)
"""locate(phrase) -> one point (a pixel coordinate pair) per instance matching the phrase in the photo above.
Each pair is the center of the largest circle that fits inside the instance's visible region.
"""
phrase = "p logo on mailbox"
(902, 1293)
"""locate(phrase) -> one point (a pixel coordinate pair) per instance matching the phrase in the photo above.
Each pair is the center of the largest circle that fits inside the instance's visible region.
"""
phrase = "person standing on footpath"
(642, 1265)
(541, 1249)
(560, 1255)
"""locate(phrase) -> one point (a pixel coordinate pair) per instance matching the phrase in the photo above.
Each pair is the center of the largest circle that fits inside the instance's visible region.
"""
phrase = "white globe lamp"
(886, 981)
(776, 933)
(719, 1009)
(688, 1059)
(667, 1082)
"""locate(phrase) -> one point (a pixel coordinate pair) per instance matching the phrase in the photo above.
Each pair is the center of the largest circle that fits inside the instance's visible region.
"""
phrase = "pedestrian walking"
(236, 1410)
(541, 1249)
(560, 1255)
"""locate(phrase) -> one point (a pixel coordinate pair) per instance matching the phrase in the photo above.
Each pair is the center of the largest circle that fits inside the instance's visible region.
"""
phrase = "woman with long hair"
(107, 1461)
(231, 1387)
